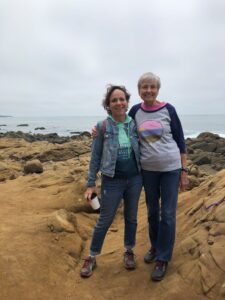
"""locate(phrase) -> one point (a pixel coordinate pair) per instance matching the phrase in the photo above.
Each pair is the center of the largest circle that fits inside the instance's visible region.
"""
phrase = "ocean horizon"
(193, 125)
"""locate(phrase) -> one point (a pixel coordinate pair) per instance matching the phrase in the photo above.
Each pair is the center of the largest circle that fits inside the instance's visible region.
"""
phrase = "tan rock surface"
(46, 227)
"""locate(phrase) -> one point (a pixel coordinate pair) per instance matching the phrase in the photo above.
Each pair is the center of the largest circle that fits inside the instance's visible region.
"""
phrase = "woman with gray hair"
(164, 169)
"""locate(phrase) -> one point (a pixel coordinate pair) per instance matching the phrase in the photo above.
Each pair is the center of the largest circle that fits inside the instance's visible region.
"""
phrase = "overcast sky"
(56, 57)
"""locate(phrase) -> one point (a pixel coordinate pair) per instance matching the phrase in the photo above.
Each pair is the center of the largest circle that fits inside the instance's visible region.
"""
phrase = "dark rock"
(12, 177)
(51, 137)
(209, 135)
(218, 167)
(220, 146)
(221, 151)
(63, 154)
(1, 125)
(85, 133)
(53, 155)
(40, 128)
(202, 160)
(207, 147)
(33, 166)
(190, 150)
(22, 125)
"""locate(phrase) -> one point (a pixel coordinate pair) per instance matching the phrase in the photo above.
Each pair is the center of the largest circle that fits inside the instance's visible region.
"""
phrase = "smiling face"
(118, 105)
(148, 91)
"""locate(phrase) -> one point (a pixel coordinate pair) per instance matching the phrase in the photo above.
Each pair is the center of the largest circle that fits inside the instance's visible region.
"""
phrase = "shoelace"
(160, 264)
(87, 261)
(129, 255)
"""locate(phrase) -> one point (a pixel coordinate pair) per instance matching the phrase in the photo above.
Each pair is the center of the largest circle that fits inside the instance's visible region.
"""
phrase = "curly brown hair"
(109, 91)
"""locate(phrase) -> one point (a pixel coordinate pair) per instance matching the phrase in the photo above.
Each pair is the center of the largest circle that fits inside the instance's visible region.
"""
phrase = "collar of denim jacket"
(127, 119)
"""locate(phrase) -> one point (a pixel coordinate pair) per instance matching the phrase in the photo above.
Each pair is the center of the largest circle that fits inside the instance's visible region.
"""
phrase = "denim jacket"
(105, 146)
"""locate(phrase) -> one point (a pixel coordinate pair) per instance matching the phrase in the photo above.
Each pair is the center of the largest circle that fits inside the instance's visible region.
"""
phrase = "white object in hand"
(94, 201)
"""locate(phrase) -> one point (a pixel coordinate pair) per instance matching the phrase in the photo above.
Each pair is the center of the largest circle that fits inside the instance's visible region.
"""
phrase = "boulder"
(81, 136)
(193, 182)
(204, 146)
(207, 149)
(202, 159)
(194, 171)
(33, 166)
(208, 135)
(39, 128)
(221, 150)
(190, 150)
(85, 133)
(50, 137)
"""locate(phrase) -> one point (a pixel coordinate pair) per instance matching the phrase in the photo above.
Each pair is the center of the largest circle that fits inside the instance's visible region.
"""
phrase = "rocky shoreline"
(207, 149)
(46, 226)
(206, 153)
(50, 137)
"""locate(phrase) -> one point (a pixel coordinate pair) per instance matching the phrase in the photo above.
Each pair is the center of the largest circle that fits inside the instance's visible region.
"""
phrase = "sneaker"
(129, 261)
(88, 266)
(159, 270)
(150, 256)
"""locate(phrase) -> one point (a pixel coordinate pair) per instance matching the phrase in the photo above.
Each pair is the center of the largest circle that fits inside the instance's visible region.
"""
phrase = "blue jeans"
(112, 192)
(162, 214)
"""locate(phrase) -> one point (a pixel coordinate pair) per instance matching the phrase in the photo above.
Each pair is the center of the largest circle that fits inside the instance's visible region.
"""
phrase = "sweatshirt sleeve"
(133, 110)
(176, 129)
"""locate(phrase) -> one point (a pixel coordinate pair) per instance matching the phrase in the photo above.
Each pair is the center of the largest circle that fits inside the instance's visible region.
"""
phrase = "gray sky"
(56, 57)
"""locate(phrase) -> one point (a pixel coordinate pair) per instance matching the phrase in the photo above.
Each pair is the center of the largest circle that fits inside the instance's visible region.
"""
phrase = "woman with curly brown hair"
(115, 153)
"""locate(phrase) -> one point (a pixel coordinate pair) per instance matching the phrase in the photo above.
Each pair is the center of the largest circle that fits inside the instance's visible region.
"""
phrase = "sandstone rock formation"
(46, 228)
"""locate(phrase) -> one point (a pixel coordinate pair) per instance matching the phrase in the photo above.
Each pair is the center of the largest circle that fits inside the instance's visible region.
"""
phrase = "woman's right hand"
(89, 191)
(94, 132)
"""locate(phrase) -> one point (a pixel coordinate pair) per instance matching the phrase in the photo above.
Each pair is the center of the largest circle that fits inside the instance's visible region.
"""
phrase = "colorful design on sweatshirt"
(150, 130)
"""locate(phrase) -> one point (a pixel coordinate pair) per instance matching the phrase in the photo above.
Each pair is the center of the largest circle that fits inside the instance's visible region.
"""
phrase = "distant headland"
(5, 116)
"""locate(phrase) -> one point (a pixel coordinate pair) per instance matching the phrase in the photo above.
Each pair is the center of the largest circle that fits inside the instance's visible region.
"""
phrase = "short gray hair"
(149, 76)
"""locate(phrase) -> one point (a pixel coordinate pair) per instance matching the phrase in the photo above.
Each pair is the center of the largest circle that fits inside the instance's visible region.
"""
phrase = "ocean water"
(193, 125)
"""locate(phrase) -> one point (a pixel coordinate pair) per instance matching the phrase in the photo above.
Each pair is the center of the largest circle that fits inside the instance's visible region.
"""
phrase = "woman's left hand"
(89, 191)
(184, 181)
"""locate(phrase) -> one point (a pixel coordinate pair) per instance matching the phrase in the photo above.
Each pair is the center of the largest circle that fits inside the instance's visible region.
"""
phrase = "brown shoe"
(159, 271)
(129, 261)
(88, 266)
